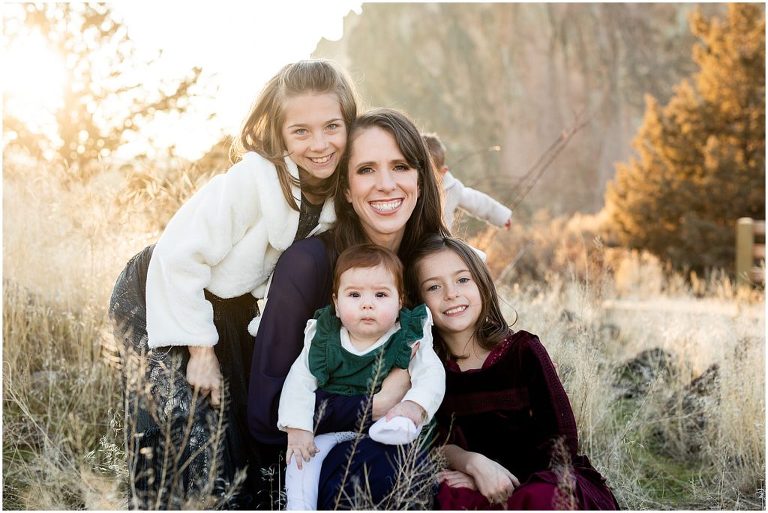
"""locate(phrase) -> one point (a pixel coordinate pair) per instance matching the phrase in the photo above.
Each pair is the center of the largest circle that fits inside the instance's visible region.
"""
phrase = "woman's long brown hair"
(427, 215)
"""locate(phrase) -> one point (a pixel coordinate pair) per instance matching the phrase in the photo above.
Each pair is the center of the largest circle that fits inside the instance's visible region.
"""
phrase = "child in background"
(509, 417)
(194, 293)
(457, 195)
(349, 350)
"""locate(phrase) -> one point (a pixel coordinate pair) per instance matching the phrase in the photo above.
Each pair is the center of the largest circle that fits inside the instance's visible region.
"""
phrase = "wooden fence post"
(744, 241)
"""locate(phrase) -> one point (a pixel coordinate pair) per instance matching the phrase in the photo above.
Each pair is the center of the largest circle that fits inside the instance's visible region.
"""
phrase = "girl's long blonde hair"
(261, 131)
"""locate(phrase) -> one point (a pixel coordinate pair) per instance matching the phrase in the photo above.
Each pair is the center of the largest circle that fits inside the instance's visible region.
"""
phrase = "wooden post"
(744, 242)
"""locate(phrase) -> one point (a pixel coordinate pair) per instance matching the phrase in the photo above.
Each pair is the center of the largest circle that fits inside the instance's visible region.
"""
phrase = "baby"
(349, 349)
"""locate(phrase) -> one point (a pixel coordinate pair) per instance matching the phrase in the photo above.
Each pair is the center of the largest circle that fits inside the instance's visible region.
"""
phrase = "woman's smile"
(386, 206)
(383, 187)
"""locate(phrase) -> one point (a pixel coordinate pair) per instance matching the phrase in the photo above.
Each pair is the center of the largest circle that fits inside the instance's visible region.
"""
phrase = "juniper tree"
(700, 159)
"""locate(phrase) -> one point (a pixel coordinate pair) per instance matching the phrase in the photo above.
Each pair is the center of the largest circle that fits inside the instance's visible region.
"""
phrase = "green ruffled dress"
(340, 372)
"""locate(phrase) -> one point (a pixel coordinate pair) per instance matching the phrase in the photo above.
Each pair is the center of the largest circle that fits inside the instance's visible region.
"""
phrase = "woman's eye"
(333, 126)
(432, 288)
(301, 131)
(402, 167)
(464, 280)
(364, 170)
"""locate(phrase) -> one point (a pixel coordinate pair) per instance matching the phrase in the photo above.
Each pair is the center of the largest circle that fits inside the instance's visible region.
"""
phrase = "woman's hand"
(301, 446)
(495, 482)
(456, 479)
(204, 373)
(393, 389)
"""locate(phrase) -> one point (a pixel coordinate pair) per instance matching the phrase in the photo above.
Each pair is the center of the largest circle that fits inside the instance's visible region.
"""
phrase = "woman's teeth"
(386, 206)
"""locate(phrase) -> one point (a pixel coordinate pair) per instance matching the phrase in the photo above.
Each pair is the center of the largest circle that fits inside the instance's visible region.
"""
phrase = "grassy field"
(681, 427)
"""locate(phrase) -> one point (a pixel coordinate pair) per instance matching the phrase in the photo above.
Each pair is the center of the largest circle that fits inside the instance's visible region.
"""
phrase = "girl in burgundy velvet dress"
(510, 431)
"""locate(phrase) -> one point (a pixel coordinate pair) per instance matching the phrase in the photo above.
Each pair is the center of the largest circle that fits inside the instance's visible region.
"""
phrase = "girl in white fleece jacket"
(187, 301)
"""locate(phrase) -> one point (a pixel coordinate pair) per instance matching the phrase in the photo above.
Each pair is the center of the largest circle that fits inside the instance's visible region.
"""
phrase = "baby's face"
(367, 302)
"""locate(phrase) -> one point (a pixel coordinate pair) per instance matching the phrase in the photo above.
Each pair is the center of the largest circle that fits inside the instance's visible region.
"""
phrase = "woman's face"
(383, 187)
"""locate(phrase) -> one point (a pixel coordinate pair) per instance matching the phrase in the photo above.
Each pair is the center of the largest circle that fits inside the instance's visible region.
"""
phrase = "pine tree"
(700, 162)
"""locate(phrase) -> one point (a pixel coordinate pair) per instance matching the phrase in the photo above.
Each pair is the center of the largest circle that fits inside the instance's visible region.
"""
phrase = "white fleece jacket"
(457, 195)
(226, 238)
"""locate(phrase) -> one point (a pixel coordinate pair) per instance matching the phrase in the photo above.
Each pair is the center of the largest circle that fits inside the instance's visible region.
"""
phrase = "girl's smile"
(314, 133)
(451, 293)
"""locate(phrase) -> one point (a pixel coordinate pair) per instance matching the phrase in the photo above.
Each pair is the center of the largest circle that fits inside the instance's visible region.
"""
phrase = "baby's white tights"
(301, 485)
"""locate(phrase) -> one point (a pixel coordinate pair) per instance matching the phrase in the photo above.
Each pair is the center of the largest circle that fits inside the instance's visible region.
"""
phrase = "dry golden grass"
(592, 307)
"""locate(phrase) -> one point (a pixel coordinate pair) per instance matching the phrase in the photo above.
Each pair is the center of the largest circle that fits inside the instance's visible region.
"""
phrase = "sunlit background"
(238, 45)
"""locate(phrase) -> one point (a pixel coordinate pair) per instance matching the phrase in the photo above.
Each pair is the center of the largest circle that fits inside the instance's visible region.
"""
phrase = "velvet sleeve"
(300, 285)
(550, 406)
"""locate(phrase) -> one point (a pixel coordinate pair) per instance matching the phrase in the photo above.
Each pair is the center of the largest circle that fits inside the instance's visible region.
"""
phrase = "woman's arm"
(301, 284)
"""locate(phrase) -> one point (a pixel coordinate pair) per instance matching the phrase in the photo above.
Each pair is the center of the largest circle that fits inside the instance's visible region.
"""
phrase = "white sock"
(397, 431)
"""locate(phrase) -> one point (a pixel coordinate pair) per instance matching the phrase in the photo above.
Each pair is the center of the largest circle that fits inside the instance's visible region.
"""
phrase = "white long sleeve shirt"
(480, 205)
(297, 400)
(226, 238)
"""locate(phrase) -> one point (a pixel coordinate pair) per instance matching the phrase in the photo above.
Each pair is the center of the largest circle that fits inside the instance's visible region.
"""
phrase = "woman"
(388, 196)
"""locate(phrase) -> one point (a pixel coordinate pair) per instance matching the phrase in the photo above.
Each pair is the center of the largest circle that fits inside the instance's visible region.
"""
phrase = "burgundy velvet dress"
(515, 411)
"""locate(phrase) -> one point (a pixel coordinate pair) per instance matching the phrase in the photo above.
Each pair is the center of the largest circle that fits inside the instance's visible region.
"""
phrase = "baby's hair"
(366, 256)
(436, 149)
(491, 327)
(262, 130)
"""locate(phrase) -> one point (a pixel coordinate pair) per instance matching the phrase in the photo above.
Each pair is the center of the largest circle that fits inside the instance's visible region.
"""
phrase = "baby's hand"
(408, 409)
(301, 446)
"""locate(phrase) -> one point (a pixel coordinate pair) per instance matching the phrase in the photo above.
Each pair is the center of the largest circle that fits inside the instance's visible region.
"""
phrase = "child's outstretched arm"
(484, 207)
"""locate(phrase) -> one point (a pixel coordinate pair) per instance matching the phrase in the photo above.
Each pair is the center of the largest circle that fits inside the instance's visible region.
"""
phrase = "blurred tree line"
(684, 81)
(106, 100)
(514, 75)
(700, 158)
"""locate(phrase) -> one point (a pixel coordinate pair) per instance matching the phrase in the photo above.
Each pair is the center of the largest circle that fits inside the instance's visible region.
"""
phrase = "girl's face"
(383, 187)
(314, 133)
(367, 302)
(448, 288)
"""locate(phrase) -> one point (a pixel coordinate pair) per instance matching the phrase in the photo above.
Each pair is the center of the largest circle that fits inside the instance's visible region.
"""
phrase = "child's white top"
(226, 238)
(297, 401)
(480, 205)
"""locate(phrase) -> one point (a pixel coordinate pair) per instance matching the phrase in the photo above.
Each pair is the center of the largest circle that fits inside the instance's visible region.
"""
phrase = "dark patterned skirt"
(182, 452)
